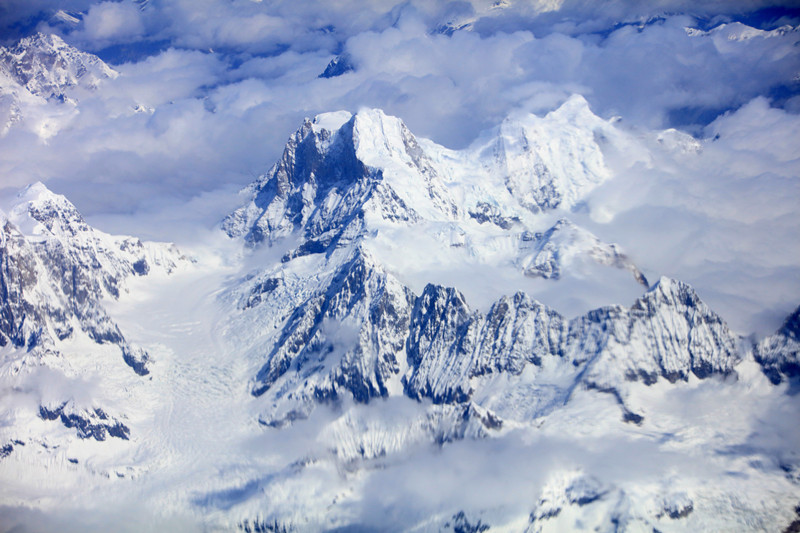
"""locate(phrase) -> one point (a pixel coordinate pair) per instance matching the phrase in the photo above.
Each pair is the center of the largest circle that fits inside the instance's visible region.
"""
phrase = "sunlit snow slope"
(386, 335)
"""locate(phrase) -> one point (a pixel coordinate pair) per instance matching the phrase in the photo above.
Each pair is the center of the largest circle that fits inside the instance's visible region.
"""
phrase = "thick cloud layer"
(209, 91)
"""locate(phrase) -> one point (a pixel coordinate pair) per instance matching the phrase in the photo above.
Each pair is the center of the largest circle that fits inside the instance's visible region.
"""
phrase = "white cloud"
(758, 129)
(113, 21)
(723, 219)
(214, 121)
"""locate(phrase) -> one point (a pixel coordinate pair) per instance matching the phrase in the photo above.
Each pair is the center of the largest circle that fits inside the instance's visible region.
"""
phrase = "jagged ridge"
(363, 326)
(55, 270)
(46, 66)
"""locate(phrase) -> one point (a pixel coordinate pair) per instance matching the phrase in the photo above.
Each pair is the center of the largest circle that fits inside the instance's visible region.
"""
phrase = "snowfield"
(387, 334)
(346, 357)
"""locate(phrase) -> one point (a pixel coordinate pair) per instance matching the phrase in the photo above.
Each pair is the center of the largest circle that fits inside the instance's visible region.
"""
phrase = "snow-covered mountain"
(338, 322)
(46, 66)
(42, 69)
(56, 272)
(383, 321)
(345, 178)
(60, 269)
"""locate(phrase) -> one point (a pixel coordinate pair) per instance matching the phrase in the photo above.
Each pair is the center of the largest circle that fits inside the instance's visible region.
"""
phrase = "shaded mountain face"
(779, 354)
(341, 64)
(313, 370)
(347, 325)
(56, 270)
(324, 185)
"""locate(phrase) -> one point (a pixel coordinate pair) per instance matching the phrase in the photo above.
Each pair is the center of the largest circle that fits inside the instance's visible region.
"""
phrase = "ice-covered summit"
(38, 211)
(57, 270)
(551, 161)
(47, 66)
(44, 216)
(344, 175)
(335, 172)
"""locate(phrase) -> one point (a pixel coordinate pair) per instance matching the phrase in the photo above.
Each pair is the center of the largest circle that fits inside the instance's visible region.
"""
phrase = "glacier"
(294, 379)
(378, 339)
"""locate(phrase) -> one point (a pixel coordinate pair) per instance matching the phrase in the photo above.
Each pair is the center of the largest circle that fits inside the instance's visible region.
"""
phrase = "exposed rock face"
(779, 354)
(348, 337)
(55, 274)
(88, 423)
(318, 170)
(668, 333)
(46, 66)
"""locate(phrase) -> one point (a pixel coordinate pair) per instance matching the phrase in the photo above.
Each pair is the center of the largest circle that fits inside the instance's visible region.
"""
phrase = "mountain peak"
(791, 326)
(677, 294)
(47, 66)
(335, 172)
(552, 161)
(38, 210)
(331, 121)
(379, 136)
(38, 192)
(564, 244)
(666, 285)
(42, 41)
(574, 107)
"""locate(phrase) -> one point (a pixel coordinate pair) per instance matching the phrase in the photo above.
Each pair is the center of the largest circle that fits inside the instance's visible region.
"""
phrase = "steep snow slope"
(46, 66)
(38, 75)
(328, 366)
(63, 358)
(550, 161)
